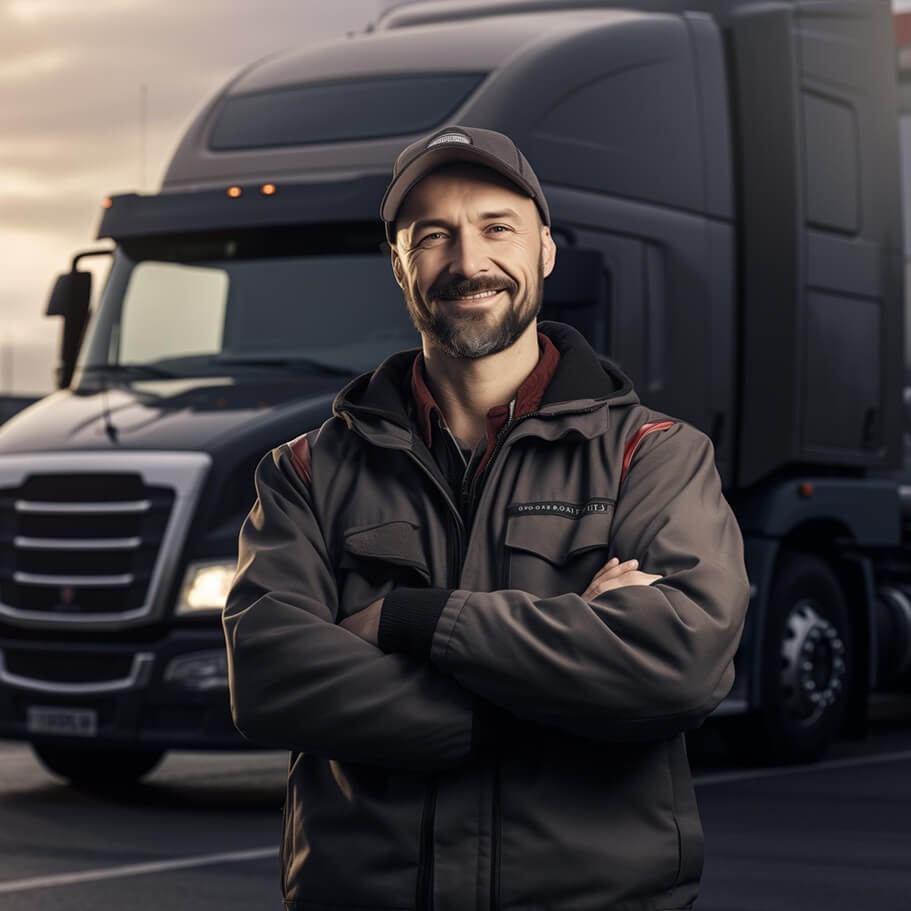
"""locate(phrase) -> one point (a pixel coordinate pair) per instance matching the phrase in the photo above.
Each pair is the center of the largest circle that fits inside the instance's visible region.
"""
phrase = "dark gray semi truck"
(725, 186)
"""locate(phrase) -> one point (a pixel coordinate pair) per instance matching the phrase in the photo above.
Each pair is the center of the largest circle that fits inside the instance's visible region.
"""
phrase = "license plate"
(65, 721)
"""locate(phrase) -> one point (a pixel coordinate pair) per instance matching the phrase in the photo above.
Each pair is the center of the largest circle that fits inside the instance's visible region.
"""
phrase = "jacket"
(526, 751)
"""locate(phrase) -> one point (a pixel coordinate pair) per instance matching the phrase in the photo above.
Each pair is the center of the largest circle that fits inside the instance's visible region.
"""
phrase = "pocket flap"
(396, 542)
(557, 538)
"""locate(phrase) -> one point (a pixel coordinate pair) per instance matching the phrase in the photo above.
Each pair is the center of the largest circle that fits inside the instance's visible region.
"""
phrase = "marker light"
(234, 192)
(268, 189)
(107, 202)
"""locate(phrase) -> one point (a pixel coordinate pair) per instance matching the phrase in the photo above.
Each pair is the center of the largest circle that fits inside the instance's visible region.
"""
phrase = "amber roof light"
(268, 189)
(234, 192)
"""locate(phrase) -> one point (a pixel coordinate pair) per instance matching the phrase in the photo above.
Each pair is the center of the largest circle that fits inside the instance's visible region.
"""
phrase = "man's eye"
(431, 236)
(494, 228)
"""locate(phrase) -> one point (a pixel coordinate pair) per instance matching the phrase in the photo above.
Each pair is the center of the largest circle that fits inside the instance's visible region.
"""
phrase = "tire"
(97, 769)
(807, 667)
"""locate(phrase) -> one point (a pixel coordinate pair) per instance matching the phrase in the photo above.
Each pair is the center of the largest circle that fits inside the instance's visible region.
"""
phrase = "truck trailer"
(725, 188)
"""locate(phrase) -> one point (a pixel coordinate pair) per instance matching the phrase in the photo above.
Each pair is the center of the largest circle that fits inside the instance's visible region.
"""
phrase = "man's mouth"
(478, 296)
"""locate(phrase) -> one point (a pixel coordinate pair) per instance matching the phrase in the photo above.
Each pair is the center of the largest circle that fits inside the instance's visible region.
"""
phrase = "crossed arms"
(631, 661)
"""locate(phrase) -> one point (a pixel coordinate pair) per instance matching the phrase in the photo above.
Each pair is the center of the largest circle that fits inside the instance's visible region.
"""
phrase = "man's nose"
(468, 255)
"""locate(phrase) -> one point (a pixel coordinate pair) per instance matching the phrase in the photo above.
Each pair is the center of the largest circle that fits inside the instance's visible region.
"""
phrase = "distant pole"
(143, 104)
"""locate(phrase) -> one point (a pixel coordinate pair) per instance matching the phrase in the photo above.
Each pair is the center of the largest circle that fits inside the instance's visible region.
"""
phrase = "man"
(438, 608)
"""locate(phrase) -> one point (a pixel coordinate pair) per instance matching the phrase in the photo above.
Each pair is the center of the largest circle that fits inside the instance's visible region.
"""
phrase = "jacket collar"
(527, 398)
(379, 403)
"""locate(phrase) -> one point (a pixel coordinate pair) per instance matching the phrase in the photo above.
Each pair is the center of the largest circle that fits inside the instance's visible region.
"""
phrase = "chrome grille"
(88, 542)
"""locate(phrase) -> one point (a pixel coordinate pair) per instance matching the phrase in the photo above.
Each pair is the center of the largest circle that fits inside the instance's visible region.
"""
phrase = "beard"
(474, 334)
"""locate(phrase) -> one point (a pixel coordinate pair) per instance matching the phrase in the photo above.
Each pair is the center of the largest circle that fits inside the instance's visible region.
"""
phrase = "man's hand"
(365, 623)
(615, 575)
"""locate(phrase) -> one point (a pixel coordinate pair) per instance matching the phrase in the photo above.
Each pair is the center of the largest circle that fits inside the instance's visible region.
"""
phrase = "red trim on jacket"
(636, 439)
(528, 396)
(300, 457)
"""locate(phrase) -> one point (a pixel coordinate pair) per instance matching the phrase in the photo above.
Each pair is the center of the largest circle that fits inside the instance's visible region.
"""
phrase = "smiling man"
(471, 255)
(482, 603)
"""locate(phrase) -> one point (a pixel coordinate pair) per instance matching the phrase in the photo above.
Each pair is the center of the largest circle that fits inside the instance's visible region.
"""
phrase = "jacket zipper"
(469, 492)
(455, 569)
(424, 892)
(424, 888)
(495, 837)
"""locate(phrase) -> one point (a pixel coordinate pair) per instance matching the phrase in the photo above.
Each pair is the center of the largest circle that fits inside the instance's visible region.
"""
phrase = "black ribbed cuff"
(408, 618)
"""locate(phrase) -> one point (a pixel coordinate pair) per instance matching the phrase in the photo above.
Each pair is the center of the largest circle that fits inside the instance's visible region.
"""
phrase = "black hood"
(198, 413)
(581, 373)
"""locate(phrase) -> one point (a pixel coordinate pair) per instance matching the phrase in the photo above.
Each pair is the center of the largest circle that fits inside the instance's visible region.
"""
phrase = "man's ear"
(397, 269)
(548, 251)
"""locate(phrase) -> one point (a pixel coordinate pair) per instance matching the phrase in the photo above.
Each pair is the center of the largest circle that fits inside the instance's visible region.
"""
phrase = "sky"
(73, 76)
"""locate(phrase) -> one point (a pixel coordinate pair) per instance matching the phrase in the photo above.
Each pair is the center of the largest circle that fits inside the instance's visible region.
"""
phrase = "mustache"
(462, 286)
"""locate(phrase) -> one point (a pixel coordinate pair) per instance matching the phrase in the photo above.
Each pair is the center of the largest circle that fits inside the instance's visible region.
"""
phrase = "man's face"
(470, 256)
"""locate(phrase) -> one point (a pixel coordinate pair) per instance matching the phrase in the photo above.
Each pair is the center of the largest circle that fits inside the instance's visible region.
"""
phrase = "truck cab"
(723, 181)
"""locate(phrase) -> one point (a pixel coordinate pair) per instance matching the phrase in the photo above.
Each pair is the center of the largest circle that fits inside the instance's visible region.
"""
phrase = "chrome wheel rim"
(812, 663)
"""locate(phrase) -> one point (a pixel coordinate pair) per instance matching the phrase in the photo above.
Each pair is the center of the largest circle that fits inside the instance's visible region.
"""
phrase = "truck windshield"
(301, 299)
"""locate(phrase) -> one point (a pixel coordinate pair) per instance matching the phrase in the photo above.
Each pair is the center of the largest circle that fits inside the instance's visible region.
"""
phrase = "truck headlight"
(205, 586)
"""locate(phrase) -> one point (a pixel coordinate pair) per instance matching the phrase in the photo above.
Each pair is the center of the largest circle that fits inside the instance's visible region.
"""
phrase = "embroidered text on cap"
(449, 137)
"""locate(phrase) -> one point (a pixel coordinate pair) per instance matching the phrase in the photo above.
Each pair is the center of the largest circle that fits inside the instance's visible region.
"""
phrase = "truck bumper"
(167, 693)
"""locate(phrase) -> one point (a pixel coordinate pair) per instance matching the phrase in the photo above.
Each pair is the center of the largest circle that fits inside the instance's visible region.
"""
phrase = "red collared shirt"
(527, 399)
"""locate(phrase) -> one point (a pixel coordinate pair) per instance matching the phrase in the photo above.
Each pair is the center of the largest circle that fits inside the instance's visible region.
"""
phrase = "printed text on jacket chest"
(552, 547)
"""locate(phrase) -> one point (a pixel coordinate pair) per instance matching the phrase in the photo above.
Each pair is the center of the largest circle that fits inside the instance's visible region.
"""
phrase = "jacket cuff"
(408, 618)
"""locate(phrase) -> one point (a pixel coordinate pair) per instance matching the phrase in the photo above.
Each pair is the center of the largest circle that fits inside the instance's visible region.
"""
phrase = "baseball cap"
(457, 143)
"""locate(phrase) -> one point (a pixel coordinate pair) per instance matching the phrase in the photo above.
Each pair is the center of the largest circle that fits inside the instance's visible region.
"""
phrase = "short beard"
(467, 336)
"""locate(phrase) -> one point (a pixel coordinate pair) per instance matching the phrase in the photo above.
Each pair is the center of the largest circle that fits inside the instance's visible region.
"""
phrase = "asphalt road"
(201, 831)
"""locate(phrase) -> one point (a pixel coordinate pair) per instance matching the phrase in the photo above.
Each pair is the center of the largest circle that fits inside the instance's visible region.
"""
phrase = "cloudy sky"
(71, 85)
(71, 77)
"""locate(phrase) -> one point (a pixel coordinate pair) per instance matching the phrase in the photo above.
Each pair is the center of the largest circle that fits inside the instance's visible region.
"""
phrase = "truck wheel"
(97, 768)
(807, 662)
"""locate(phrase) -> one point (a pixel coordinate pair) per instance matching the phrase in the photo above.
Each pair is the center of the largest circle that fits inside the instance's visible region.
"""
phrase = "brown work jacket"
(512, 746)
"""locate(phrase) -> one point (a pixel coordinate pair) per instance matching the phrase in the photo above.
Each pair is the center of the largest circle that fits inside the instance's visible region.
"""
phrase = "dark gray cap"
(452, 144)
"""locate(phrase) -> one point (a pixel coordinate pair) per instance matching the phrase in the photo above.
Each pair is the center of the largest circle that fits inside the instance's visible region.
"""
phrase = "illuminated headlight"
(205, 586)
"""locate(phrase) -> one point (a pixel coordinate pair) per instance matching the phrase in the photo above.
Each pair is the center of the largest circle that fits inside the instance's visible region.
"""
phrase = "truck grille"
(81, 543)
(89, 543)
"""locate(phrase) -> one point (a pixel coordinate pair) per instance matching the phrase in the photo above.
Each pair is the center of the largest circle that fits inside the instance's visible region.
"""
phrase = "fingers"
(612, 572)
(634, 577)
(615, 574)
(614, 567)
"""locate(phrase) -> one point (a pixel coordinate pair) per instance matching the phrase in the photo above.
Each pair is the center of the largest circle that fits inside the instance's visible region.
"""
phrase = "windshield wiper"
(286, 363)
(135, 369)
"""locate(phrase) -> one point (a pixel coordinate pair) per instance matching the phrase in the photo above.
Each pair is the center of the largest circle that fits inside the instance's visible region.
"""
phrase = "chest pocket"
(549, 555)
(376, 558)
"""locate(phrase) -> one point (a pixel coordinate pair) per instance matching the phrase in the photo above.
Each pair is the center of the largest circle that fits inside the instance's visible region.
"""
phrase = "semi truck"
(725, 187)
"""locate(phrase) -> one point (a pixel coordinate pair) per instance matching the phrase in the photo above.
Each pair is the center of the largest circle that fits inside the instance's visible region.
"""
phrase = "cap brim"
(434, 158)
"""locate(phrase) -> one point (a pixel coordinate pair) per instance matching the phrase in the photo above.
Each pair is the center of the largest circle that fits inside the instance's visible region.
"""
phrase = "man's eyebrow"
(422, 223)
(502, 213)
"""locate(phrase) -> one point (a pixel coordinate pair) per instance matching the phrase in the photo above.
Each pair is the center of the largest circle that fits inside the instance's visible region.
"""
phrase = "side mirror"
(71, 294)
(70, 299)
(574, 292)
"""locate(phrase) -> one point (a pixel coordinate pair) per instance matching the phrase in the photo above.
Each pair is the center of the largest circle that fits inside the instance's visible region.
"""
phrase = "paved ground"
(201, 832)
